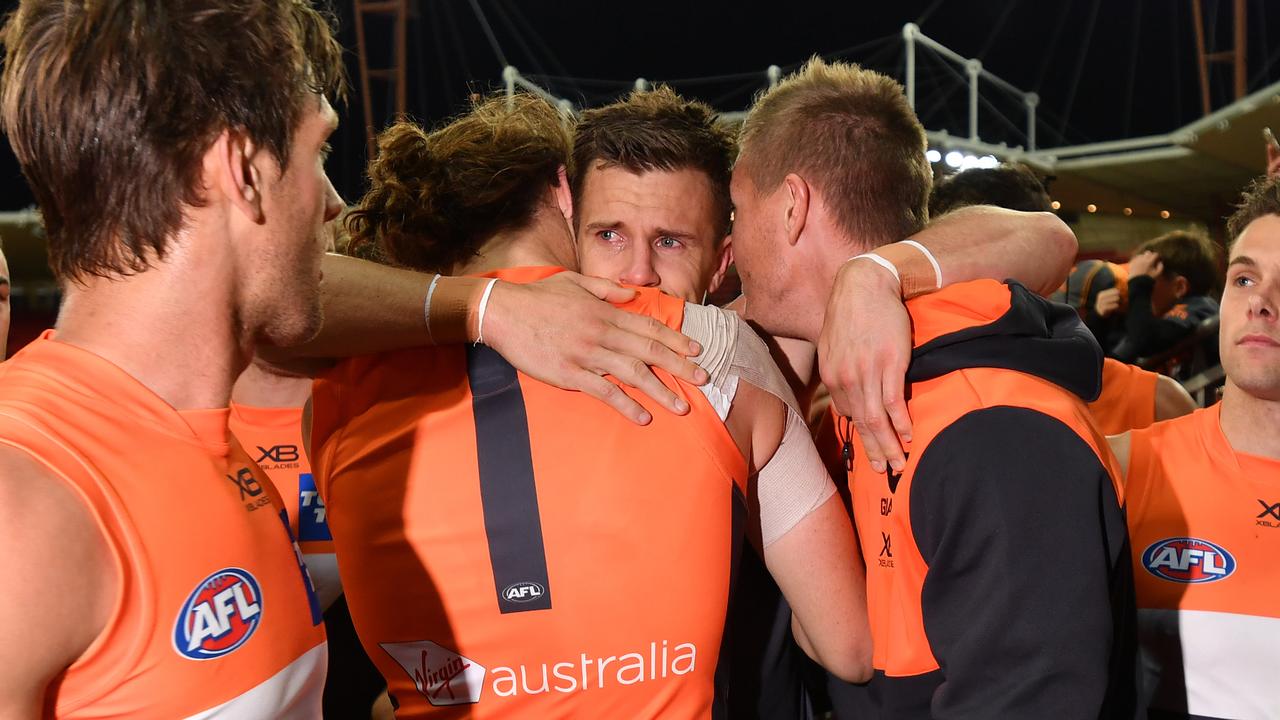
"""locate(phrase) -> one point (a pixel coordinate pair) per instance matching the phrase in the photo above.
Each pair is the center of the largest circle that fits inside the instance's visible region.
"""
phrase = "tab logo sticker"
(1188, 560)
(220, 615)
(442, 676)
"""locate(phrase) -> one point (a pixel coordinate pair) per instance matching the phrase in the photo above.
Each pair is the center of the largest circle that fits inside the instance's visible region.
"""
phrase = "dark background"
(1104, 69)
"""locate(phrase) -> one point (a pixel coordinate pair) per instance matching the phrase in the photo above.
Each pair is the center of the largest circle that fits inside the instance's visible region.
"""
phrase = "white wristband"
(484, 303)
(426, 307)
(882, 263)
(937, 270)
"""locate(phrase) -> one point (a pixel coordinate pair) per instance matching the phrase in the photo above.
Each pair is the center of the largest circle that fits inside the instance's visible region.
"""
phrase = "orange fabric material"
(636, 525)
(901, 647)
(1121, 273)
(957, 307)
(176, 500)
(1185, 480)
(273, 436)
(1128, 399)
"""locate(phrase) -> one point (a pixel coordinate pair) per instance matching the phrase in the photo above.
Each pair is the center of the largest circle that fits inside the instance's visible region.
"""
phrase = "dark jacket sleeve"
(1146, 334)
(1025, 542)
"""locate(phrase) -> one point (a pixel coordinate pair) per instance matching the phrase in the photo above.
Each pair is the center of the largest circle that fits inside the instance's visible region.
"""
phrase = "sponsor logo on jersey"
(446, 678)
(522, 592)
(442, 676)
(1188, 560)
(313, 521)
(220, 615)
(1270, 515)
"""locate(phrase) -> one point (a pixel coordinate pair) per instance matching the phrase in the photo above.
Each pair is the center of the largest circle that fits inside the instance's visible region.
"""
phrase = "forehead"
(1260, 239)
(652, 197)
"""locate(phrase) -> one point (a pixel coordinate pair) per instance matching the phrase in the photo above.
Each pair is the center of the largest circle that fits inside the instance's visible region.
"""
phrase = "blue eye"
(668, 242)
(608, 235)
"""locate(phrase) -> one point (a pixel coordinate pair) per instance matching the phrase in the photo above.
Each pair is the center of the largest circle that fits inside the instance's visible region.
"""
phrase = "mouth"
(1258, 340)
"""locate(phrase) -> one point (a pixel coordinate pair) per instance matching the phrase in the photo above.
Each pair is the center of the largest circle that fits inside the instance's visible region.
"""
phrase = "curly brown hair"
(434, 199)
(1261, 198)
(110, 104)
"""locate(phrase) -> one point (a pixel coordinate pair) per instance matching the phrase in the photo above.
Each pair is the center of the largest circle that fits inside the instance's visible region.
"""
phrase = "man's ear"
(726, 259)
(797, 206)
(231, 162)
(564, 196)
(1180, 286)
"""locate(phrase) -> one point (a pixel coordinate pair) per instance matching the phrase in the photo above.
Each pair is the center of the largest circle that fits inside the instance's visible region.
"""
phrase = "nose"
(640, 270)
(332, 202)
(1263, 305)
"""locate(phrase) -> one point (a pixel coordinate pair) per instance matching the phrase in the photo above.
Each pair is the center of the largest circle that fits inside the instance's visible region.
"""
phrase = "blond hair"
(850, 132)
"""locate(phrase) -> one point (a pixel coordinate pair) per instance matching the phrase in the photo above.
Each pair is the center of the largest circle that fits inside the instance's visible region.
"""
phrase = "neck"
(1250, 423)
(172, 327)
(545, 241)
(258, 386)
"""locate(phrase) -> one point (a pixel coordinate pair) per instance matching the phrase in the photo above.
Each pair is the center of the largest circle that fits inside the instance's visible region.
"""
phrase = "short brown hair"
(1189, 254)
(1013, 186)
(1260, 199)
(852, 133)
(110, 104)
(434, 199)
(656, 130)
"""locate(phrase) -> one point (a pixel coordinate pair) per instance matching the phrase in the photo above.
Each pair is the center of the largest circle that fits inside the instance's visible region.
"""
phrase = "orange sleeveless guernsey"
(996, 571)
(216, 615)
(513, 550)
(1205, 527)
(273, 436)
(1128, 399)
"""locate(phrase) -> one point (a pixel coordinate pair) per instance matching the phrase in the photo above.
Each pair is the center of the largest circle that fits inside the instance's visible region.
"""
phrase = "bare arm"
(1172, 400)
(559, 330)
(67, 585)
(866, 337)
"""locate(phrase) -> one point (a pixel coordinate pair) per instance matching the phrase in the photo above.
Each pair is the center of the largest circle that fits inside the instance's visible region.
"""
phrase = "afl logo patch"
(1188, 560)
(523, 592)
(220, 615)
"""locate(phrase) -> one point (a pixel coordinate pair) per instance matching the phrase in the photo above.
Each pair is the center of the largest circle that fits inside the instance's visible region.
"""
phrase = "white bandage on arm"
(794, 482)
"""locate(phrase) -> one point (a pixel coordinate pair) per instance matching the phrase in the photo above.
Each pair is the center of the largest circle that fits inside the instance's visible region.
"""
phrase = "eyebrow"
(1242, 260)
(679, 234)
(602, 225)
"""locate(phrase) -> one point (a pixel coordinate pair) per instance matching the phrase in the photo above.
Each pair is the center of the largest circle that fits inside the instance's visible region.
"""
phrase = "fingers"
(635, 373)
(611, 395)
(661, 343)
(895, 403)
(601, 288)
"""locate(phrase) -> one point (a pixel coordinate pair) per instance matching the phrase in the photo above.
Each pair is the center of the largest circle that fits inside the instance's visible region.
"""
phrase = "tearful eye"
(608, 235)
(668, 242)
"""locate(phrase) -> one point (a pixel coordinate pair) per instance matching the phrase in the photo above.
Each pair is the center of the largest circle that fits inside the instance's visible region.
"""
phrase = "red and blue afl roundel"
(219, 615)
(1188, 560)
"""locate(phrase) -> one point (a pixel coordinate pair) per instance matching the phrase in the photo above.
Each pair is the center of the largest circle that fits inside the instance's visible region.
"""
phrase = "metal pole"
(1031, 99)
(1202, 63)
(509, 74)
(909, 37)
(1240, 38)
(974, 68)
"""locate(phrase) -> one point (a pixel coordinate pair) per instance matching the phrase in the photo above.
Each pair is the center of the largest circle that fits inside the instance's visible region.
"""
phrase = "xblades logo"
(278, 454)
(246, 483)
(1270, 515)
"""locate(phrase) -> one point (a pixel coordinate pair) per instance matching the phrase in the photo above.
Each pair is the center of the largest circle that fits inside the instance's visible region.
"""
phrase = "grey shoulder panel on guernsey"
(794, 482)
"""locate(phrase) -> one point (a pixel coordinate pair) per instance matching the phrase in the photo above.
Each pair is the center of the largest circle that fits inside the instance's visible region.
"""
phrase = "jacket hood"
(986, 324)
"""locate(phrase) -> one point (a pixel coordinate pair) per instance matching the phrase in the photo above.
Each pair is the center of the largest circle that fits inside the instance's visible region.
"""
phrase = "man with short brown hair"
(976, 610)
(650, 183)
(175, 181)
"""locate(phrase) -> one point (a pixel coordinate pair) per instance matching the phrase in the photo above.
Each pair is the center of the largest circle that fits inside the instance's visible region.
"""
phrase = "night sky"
(1104, 70)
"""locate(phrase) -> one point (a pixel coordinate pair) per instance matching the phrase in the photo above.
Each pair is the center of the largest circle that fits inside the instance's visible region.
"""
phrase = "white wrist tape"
(937, 269)
(882, 263)
(426, 306)
(484, 303)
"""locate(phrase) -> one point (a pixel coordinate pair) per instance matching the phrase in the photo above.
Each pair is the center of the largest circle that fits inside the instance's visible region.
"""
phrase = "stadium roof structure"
(1197, 170)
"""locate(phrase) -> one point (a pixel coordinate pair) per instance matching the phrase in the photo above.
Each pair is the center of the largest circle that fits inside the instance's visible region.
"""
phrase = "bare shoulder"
(48, 539)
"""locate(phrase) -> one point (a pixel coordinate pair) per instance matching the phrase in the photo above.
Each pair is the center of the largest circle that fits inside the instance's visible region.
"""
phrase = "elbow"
(851, 662)
(1061, 248)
